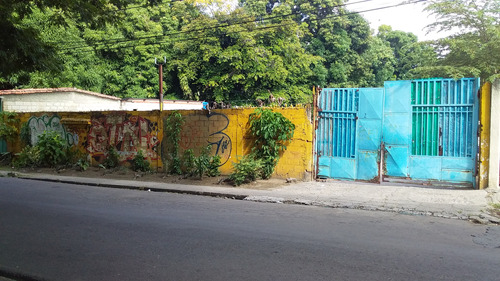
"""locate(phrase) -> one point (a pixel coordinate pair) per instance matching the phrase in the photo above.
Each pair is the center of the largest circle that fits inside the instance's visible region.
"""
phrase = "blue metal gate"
(428, 129)
(349, 132)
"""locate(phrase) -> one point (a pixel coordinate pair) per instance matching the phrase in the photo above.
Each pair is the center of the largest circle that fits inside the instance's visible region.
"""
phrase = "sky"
(408, 18)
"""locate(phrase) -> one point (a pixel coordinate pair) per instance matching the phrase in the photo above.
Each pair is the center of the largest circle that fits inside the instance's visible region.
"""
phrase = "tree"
(115, 58)
(408, 52)
(241, 61)
(22, 50)
(474, 50)
(341, 38)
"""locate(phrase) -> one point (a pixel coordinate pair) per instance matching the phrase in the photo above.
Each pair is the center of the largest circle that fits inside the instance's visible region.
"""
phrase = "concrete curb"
(354, 206)
(141, 188)
(481, 217)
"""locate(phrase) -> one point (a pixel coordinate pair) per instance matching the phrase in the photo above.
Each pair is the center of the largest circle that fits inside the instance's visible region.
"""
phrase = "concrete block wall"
(224, 130)
(73, 132)
(58, 102)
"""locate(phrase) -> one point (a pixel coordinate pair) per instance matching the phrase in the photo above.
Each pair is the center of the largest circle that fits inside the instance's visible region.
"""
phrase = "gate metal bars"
(442, 117)
(444, 129)
(338, 122)
(428, 127)
(349, 131)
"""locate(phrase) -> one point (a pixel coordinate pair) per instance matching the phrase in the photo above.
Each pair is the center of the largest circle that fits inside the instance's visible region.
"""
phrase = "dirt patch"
(123, 173)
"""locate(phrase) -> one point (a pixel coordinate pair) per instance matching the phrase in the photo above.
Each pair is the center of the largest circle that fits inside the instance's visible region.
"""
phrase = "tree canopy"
(474, 49)
(233, 54)
(22, 48)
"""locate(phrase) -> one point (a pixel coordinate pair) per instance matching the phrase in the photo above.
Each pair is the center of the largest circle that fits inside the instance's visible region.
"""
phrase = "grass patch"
(495, 209)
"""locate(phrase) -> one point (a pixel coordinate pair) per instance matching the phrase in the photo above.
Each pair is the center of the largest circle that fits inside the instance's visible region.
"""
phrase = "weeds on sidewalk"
(495, 209)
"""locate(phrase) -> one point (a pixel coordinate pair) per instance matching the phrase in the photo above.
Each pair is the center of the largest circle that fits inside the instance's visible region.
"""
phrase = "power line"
(174, 40)
(227, 32)
(143, 6)
(258, 18)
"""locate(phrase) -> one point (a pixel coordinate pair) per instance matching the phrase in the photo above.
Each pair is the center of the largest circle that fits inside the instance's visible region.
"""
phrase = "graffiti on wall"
(208, 130)
(126, 133)
(220, 141)
(38, 125)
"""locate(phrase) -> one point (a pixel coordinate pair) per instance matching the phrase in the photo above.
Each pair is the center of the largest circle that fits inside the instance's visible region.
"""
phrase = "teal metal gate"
(349, 131)
(430, 129)
(427, 128)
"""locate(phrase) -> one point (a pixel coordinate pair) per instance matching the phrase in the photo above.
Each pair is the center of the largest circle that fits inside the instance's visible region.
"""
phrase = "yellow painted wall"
(225, 129)
(484, 144)
(74, 133)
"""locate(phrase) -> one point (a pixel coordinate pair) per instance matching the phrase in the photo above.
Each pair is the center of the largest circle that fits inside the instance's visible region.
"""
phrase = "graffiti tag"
(126, 133)
(38, 125)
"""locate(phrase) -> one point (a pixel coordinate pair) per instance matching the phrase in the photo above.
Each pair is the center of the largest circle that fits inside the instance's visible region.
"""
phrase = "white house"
(77, 100)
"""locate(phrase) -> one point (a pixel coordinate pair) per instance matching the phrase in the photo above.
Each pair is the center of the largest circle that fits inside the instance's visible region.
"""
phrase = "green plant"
(271, 132)
(25, 134)
(187, 164)
(246, 170)
(140, 164)
(172, 127)
(52, 149)
(72, 155)
(28, 157)
(495, 209)
(213, 166)
(202, 162)
(8, 125)
(82, 164)
(112, 159)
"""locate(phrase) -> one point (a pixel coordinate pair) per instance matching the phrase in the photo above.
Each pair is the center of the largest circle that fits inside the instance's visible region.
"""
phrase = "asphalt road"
(53, 231)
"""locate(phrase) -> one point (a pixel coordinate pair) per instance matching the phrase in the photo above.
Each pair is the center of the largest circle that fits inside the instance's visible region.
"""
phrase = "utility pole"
(160, 67)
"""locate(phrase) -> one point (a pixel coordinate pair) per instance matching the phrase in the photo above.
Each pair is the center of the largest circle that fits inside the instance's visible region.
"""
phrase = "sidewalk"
(413, 200)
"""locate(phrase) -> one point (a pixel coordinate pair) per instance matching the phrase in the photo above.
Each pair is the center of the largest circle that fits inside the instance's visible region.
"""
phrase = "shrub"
(112, 159)
(82, 164)
(213, 166)
(248, 169)
(29, 157)
(271, 131)
(53, 150)
(187, 164)
(8, 125)
(172, 127)
(25, 134)
(202, 162)
(140, 164)
(72, 155)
